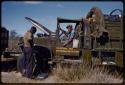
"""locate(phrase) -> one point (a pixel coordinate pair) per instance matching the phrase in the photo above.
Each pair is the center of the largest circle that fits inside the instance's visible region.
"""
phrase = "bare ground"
(14, 77)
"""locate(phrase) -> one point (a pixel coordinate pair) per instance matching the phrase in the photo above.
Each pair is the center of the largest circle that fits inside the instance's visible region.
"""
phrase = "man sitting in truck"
(69, 39)
(78, 36)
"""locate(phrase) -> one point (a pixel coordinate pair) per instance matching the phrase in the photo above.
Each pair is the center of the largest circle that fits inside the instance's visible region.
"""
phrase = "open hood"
(39, 26)
(64, 20)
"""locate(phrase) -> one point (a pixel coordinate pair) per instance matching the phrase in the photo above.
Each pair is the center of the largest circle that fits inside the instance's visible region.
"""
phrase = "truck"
(105, 48)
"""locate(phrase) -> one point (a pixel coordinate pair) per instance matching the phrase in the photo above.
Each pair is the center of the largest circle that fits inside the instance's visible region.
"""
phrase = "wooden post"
(87, 57)
(57, 33)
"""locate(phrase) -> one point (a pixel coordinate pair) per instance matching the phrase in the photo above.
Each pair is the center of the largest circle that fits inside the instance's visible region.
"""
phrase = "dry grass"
(85, 74)
(68, 74)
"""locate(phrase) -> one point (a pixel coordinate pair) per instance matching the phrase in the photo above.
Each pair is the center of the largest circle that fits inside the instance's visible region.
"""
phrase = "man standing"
(28, 52)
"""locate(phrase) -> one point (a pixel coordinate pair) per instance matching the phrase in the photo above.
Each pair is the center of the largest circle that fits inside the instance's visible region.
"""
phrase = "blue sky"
(46, 12)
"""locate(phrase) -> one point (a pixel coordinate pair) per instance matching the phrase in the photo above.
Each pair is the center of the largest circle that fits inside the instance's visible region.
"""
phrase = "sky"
(46, 12)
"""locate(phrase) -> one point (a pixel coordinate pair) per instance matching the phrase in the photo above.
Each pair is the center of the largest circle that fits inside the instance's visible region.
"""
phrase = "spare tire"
(103, 39)
(42, 55)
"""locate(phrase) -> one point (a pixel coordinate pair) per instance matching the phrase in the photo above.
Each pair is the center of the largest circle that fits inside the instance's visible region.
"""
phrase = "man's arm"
(69, 41)
(28, 40)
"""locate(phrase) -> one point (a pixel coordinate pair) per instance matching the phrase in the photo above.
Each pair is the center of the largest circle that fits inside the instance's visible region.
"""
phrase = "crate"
(62, 51)
(113, 24)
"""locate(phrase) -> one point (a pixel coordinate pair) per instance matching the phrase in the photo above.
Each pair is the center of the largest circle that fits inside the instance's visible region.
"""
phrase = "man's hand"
(64, 45)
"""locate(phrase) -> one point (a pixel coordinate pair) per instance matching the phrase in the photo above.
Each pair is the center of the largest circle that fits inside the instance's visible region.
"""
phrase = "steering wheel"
(62, 32)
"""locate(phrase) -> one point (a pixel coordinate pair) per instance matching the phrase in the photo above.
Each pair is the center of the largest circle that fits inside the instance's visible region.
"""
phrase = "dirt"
(16, 77)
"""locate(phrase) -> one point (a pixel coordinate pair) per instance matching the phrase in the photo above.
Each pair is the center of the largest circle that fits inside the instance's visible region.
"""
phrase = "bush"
(84, 73)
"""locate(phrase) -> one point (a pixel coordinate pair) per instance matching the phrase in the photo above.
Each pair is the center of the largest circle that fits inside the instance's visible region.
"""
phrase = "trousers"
(28, 62)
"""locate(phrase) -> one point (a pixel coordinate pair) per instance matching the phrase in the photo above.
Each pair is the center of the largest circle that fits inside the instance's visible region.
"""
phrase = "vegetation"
(13, 41)
(85, 74)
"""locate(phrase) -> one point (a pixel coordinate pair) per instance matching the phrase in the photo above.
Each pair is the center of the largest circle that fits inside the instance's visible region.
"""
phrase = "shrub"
(84, 73)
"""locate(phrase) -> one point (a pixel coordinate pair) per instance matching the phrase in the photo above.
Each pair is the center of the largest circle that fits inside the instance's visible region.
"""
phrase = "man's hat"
(69, 26)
